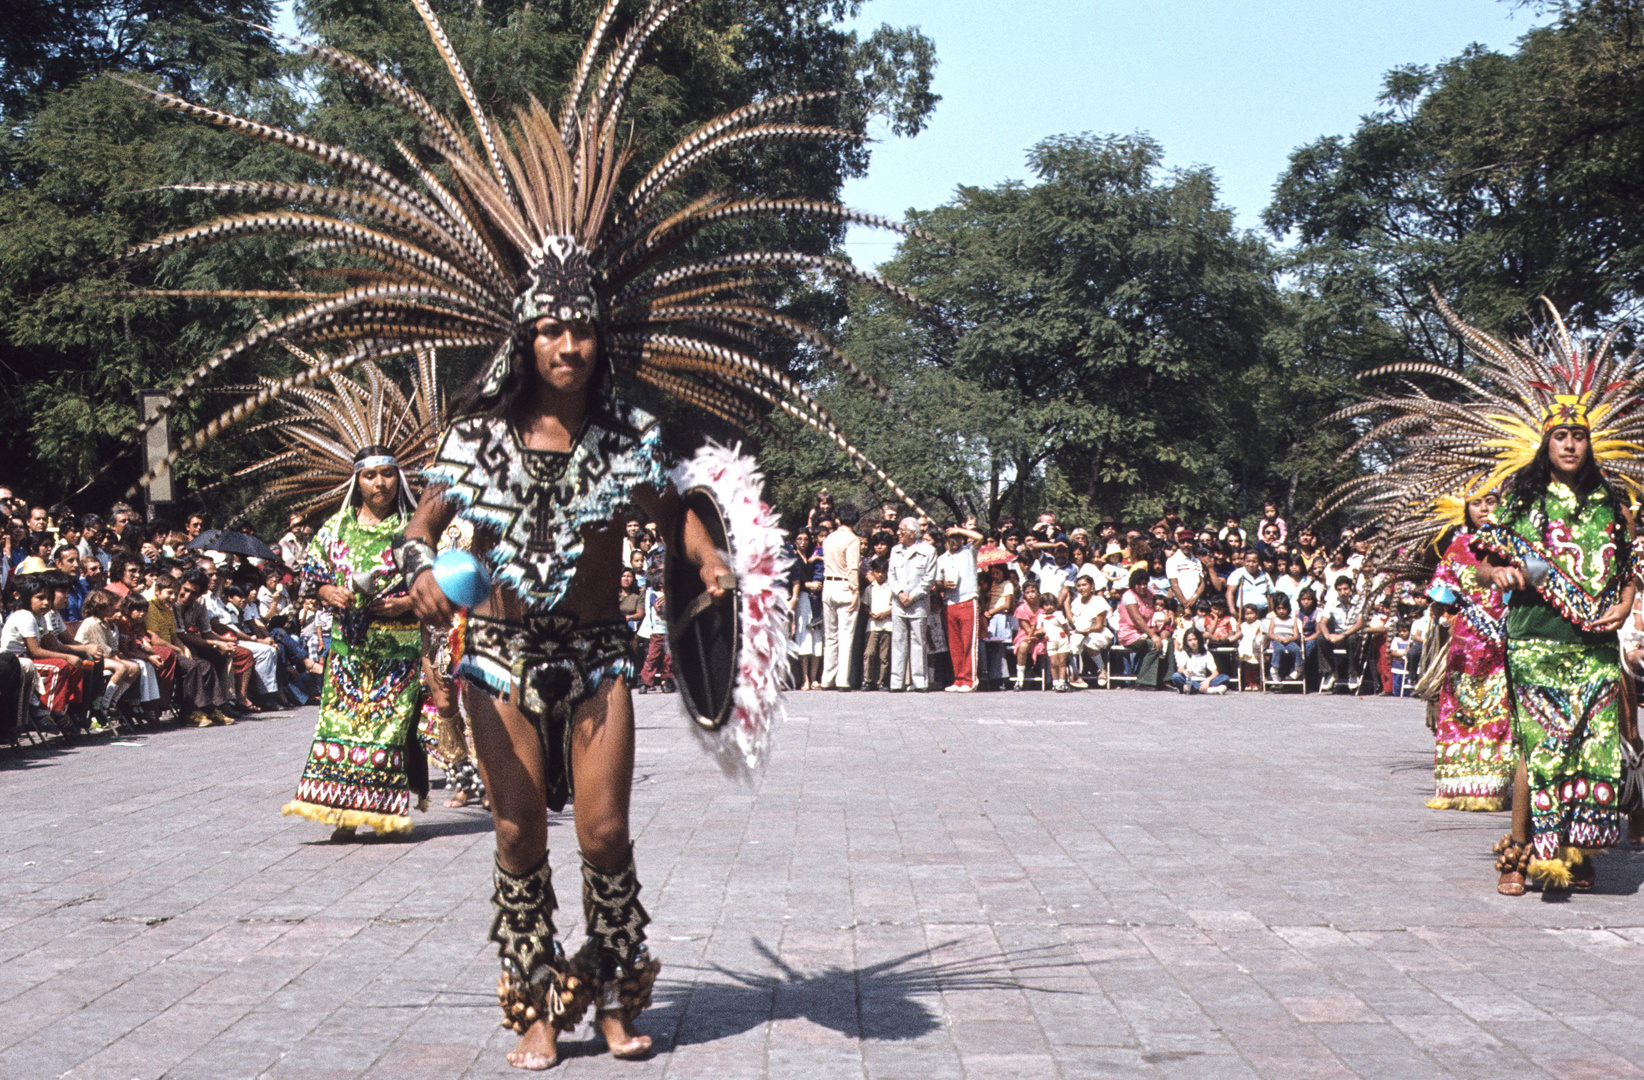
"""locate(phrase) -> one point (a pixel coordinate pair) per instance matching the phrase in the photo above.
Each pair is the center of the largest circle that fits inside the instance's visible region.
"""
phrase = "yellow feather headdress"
(1444, 452)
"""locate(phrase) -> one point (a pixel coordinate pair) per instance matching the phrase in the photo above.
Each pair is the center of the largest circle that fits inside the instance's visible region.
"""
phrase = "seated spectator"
(1307, 613)
(1088, 613)
(1284, 635)
(52, 676)
(1196, 671)
(155, 671)
(1136, 633)
(99, 629)
(1343, 623)
(272, 597)
(1029, 643)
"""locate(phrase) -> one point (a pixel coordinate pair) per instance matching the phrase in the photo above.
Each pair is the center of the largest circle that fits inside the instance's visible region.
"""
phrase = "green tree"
(1105, 348)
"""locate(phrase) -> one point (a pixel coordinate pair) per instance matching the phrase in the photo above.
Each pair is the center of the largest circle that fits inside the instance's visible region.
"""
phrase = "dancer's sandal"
(1583, 875)
(1512, 860)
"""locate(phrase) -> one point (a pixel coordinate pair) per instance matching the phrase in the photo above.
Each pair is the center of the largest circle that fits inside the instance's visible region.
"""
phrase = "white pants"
(838, 628)
(265, 661)
(908, 650)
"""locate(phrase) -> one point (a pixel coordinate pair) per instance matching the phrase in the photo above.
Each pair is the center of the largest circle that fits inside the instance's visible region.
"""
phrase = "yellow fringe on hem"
(1558, 872)
(1487, 803)
(330, 815)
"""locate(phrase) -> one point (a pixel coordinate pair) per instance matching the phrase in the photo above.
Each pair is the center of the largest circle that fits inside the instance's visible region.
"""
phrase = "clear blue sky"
(1232, 84)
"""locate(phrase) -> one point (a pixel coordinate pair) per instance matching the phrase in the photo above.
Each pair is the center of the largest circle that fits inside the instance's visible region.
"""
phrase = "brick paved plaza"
(983, 886)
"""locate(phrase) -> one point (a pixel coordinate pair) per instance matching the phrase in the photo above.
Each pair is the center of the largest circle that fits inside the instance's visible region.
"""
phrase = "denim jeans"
(1287, 658)
(1180, 682)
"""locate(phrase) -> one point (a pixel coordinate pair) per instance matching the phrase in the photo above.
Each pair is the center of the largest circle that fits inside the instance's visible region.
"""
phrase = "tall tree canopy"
(1111, 343)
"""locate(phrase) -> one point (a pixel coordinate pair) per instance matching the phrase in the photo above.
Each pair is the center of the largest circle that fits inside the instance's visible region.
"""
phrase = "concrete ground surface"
(920, 886)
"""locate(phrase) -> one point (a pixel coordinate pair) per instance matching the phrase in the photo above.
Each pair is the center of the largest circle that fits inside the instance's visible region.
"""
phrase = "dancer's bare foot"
(459, 799)
(620, 1036)
(537, 1049)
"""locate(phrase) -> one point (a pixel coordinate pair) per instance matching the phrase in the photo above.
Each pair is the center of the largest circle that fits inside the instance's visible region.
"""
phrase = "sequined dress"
(1473, 753)
(1566, 679)
(357, 769)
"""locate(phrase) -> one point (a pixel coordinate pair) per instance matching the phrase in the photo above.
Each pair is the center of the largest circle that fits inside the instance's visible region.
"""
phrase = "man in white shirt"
(956, 579)
(1055, 570)
(841, 552)
(1186, 574)
(912, 570)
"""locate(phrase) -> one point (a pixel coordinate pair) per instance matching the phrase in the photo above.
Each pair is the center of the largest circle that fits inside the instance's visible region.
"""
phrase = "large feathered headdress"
(327, 427)
(1440, 453)
(531, 222)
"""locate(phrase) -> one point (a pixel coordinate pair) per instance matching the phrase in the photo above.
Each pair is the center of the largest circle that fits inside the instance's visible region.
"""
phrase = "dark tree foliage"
(50, 45)
(83, 166)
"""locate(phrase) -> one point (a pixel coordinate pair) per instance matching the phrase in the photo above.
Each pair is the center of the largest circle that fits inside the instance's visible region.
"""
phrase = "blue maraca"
(461, 578)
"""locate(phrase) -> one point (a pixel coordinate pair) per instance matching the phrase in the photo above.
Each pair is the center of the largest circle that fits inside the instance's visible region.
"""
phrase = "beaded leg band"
(537, 981)
(614, 954)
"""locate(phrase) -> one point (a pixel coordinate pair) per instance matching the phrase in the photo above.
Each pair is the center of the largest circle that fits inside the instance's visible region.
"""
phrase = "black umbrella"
(236, 543)
(203, 541)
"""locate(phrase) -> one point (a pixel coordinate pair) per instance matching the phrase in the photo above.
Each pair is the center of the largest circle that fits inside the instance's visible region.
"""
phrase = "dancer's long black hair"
(1528, 486)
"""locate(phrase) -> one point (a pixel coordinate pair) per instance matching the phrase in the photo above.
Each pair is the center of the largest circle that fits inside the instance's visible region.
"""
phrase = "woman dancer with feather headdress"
(1473, 745)
(1554, 424)
(581, 291)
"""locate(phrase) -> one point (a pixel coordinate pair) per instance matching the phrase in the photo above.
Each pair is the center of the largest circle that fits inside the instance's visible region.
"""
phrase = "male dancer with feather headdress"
(582, 292)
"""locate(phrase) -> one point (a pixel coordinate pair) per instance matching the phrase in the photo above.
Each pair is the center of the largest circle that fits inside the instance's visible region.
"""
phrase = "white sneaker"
(1078, 684)
(950, 688)
(957, 689)
(1222, 689)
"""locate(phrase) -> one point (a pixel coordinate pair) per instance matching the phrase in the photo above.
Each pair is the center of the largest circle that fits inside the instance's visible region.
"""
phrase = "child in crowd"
(1030, 641)
(1195, 668)
(1284, 633)
(155, 671)
(1251, 646)
(1398, 656)
(1053, 626)
(876, 669)
(97, 629)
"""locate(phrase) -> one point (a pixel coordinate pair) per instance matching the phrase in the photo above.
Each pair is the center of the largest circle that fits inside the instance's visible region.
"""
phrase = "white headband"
(376, 461)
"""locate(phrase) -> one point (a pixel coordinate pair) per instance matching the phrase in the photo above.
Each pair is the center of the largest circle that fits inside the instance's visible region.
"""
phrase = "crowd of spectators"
(113, 622)
(891, 602)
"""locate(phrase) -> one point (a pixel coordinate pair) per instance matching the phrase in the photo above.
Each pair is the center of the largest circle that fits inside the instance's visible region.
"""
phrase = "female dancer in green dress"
(366, 759)
(1563, 545)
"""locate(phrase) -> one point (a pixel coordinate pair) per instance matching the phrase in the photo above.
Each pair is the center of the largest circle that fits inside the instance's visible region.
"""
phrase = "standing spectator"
(197, 524)
(1252, 644)
(841, 553)
(1307, 613)
(657, 673)
(998, 606)
(876, 668)
(822, 511)
(633, 526)
(293, 546)
(1185, 570)
(956, 580)
(1249, 585)
(912, 569)
(807, 620)
(631, 602)
(1053, 573)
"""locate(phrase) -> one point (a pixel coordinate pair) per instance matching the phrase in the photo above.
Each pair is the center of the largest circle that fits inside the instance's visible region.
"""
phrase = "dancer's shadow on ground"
(878, 1002)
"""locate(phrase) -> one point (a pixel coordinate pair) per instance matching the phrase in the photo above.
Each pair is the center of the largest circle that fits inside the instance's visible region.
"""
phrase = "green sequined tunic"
(1566, 680)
